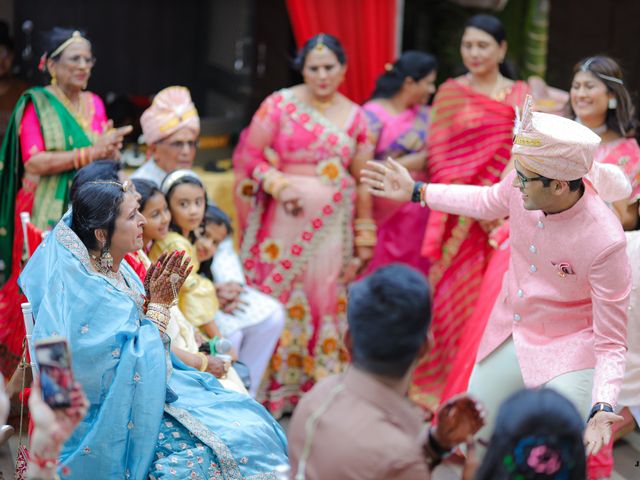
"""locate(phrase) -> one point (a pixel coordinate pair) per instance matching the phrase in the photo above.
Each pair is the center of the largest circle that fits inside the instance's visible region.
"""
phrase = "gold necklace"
(496, 92)
(79, 113)
(322, 106)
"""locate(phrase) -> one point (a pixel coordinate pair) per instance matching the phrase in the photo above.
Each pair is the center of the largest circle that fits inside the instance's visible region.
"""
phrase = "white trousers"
(498, 376)
(255, 345)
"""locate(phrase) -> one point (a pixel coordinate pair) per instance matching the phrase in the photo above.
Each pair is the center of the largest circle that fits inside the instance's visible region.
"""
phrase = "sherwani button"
(516, 317)
(520, 293)
(533, 249)
(540, 224)
(533, 269)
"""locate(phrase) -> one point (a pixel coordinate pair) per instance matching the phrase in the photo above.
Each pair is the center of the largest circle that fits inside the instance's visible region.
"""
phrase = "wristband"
(600, 407)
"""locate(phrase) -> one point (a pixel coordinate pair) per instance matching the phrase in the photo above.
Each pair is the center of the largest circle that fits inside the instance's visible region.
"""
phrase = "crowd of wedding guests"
(359, 315)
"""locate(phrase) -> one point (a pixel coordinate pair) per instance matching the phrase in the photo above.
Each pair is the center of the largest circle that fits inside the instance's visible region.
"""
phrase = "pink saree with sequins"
(299, 260)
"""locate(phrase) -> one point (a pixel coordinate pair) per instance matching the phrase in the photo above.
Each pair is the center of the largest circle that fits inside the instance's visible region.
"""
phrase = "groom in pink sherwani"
(560, 318)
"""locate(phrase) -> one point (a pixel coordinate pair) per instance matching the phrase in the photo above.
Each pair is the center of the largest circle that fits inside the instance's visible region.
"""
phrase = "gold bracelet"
(76, 158)
(205, 361)
(159, 315)
(365, 239)
(274, 182)
(423, 195)
(158, 319)
(280, 185)
(364, 225)
(159, 307)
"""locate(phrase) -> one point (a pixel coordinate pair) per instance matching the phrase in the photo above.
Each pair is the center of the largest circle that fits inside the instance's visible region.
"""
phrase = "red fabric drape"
(366, 29)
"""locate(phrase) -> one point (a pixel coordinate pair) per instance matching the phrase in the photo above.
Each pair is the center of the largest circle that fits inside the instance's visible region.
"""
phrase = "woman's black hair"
(146, 189)
(317, 41)
(56, 37)
(621, 119)
(494, 27)
(190, 180)
(538, 435)
(96, 206)
(215, 215)
(106, 170)
(5, 38)
(412, 64)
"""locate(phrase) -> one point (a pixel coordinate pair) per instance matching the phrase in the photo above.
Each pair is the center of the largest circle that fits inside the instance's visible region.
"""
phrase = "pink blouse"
(31, 138)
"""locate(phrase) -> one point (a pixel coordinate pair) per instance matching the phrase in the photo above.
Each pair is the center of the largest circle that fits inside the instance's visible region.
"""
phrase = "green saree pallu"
(61, 132)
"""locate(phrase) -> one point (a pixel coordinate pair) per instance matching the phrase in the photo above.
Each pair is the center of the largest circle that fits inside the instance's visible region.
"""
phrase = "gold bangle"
(423, 195)
(281, 185)
(159, 315)
(76, 158)
(205, 361)
(158, 319)
(365, 239)
(274, 182)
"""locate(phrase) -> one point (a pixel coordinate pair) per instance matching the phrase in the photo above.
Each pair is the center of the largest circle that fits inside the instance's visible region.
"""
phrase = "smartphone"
(56, 377)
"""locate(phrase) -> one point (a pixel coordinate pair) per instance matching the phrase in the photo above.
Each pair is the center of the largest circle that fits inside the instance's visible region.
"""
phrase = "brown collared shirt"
(365, 430)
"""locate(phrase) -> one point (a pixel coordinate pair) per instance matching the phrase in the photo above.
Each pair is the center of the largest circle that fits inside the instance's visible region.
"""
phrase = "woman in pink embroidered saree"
(398, 120)
(294, 165)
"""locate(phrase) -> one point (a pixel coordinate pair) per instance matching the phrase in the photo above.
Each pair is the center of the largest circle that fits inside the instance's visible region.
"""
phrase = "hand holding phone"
(56, 377)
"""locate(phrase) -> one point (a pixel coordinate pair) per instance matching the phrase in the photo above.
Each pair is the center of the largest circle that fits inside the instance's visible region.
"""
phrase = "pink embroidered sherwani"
(564, 298)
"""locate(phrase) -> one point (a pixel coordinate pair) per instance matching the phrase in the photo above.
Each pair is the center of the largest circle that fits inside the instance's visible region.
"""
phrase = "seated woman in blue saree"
(151, 416)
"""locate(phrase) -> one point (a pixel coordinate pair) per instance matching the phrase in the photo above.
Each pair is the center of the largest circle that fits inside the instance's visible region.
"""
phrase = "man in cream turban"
(560, 318)
(170, 128)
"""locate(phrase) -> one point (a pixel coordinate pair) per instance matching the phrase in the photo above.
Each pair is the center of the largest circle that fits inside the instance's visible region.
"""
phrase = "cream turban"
(171, 110)
(558, 148)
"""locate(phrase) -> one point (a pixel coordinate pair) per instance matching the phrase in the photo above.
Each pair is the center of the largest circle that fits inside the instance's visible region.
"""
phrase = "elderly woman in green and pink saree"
(53, 132)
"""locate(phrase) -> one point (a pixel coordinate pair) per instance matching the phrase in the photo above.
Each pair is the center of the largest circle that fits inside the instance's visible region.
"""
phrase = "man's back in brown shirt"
(365, 430)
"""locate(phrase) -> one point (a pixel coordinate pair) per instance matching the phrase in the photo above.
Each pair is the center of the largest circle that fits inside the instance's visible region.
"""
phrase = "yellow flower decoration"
(294, 360)
(297, 312)
(247, 189)
(276, 361)
(270, 250)
(329, 345)
(330, 170)
(308, 365)
(341, 304)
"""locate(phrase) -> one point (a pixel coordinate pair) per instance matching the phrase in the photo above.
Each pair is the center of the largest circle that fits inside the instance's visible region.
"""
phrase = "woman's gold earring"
(54, 80)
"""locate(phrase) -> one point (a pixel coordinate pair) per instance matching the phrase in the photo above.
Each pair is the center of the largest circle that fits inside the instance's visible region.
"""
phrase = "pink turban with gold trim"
(558, 148)
(171, 110)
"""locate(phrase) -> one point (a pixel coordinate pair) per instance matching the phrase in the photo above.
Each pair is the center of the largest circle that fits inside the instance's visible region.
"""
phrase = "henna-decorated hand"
(153, 267)
(167, 278)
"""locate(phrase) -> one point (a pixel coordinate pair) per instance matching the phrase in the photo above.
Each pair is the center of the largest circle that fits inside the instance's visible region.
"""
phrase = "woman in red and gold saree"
(470, 137)
(300, 157)
(53, 131)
